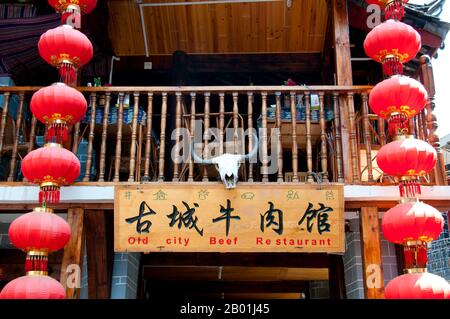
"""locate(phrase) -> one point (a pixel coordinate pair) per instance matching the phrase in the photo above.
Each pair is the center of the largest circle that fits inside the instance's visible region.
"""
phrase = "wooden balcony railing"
(126, 135)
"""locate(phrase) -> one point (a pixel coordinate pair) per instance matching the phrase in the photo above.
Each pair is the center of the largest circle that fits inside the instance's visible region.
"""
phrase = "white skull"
(227, 164)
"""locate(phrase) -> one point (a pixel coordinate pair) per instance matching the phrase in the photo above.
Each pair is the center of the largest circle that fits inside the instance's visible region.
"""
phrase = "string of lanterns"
(58, 106)
(397, 99)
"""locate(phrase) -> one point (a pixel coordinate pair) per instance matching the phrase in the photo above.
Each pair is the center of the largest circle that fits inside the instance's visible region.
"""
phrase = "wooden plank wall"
(219, 28)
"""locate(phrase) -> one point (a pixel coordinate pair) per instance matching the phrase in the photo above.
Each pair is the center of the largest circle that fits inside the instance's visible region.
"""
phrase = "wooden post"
(279, 123)
(134, 126)
(367, 137)
(3, 121)
(148, 137)
(338, 142)
(294, 139)
(192, 131)
(162, 137)
(323, 138)
(99, 257)
(119, 139)
(87, 171)
(343, 70)
(73, 253)
(175, 177)
(309, 159)
(12, 170)
(250, 131)
(101, 177)
(206, 136)
(264, 160)
(371, 253)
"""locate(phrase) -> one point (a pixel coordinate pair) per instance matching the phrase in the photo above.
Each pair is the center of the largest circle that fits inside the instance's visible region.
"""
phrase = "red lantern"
(408, 159)
(58, 106)
(392, 43)
(67, 49)
(51, 166)
(413, 224)
(417, 286)
(394, 9)
(33, 287)
(397, 99)
(37, 230)
(73, 9)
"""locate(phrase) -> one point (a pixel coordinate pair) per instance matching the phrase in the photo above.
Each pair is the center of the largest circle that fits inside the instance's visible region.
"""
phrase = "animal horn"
(254, 151)
(198, 159)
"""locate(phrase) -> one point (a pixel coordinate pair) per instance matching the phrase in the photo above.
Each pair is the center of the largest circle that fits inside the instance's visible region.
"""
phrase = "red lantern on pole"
(392, 43)
(413, 224)
(417, 286)
(67, 49)
(408, 159)
(33, 287)
(397, 99)
(51, 167)
(394, 9)
(58, 106)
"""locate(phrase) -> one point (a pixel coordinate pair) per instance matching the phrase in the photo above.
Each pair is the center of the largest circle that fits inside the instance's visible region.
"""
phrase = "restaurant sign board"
(205, 217)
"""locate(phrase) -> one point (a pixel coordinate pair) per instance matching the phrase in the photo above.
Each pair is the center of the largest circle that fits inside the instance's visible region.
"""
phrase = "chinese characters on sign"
(213, 219)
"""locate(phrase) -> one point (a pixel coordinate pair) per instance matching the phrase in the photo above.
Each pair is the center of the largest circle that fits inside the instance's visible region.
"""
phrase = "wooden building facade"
(225, 65)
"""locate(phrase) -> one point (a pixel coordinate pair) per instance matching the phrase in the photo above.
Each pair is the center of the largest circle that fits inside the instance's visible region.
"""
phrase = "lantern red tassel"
(395, 9)
(57, 133)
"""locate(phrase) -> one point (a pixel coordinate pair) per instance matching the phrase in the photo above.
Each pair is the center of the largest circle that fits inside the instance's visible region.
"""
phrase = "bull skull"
(227, 164)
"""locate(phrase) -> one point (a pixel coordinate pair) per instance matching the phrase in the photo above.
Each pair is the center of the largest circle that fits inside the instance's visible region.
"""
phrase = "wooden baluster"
(162, 137)
(134, 125)
(423, 118)
(420, 126)
(381, 130)
(294, 139)
(411, 126)
(206, 135)
(12, 170)
(221, 122)
(177, 137)
(87, 172)
(308, 138)
(148, 142)
(192, 129)
(353, 140)
(338, 137)
(101, 177)
(32, 138)
(367, 139)
(279, 123)
(76, 137)
(235, 122)
(323, 138)
(416, 126)
(265, 168)
(3, 123)
(119, 139)
(250, 132)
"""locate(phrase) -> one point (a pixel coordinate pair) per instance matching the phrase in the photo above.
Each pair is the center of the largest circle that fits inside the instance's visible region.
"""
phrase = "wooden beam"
(73, 251)
(343, 74)
(337, 278)
(162, 287)
(99, 256)
(371, 253)
(292, 260)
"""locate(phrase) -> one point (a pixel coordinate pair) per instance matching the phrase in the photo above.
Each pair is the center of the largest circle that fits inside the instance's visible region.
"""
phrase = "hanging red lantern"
(67, 49)
(413, 224)
(58, 106)
(72, 8)
(51, 167)
(392, 43)
(394, 9)
(33, 287)
(397, 99)
(408, 159)
(417, 286)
